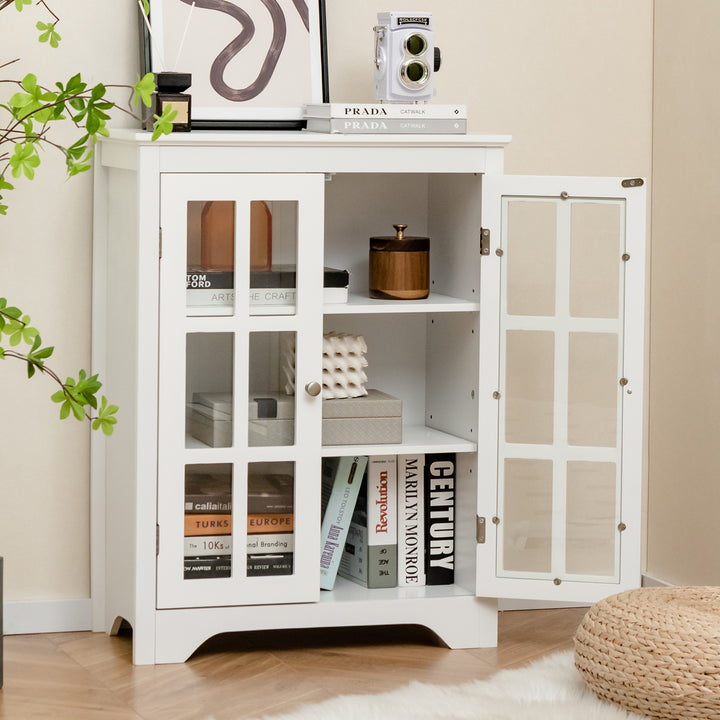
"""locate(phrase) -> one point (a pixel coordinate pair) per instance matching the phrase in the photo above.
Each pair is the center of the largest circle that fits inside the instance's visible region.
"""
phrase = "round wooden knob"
(313, 388)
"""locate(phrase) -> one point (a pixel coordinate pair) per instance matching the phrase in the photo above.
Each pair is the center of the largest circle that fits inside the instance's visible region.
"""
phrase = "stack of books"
(388, 520)
(386, 118)
(269, 289)
(208, 526)
(270, 540)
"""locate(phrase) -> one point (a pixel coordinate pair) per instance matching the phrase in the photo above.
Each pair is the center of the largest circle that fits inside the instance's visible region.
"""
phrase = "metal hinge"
(157, 540)
(480, 530)
(484, 241)
(160, 242)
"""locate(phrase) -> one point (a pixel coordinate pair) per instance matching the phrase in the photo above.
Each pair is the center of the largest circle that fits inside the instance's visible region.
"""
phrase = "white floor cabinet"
(526, 360)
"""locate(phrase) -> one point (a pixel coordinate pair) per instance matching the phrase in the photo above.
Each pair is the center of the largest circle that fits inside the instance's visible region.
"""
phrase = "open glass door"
(561, 376)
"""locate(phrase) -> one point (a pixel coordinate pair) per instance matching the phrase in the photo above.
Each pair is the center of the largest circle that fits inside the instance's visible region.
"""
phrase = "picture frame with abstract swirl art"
(254, 63)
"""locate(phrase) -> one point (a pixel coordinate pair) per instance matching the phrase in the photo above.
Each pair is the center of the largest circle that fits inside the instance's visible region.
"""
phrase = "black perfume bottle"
(171, 88)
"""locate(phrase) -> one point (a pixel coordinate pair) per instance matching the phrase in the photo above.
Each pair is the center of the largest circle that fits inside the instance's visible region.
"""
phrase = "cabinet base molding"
(462, 621)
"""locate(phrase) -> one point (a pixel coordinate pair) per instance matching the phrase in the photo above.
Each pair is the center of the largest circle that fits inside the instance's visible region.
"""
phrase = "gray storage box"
(375, 418)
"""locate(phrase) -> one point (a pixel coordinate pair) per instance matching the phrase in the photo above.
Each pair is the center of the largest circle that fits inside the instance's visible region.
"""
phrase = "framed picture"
(254, 63)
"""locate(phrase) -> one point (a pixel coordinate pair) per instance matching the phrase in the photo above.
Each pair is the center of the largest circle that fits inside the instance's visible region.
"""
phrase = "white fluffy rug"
(548, 689)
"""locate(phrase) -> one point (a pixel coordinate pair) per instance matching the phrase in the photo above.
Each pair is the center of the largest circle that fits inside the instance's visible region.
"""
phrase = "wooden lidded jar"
(399, 266)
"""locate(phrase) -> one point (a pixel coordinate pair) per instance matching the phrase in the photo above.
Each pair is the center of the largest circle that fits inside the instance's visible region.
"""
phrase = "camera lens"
(414, 73)
(416, 44)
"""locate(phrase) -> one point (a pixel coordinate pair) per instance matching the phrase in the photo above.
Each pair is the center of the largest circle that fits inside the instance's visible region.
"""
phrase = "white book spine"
(210, 545)
(411, 520)
(382, 519)
(388, 126)
(386, 110)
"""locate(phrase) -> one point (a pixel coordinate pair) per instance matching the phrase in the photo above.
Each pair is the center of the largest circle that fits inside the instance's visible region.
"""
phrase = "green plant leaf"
(143, 89)
(164, 123)
(24, 160)
(20, 3)
(48, 34)
(106, 419)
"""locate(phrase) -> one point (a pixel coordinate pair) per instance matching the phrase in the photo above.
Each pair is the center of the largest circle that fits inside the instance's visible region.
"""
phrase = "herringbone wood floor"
(89, 676)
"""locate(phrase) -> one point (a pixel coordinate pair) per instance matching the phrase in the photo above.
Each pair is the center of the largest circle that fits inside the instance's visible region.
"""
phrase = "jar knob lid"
(400, 230)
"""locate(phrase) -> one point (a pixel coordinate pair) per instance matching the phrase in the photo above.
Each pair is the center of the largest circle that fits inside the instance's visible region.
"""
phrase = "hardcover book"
(270, 493)
(341, 481)
(267, 287)
(266, 564)
(208, 493)
(384, 110)
(270, 543)
(207, 545)
(388, 126)
(269, 523)
(440, 518)
(370, 554)
(411, 520)
(208, 524)
(207, 567)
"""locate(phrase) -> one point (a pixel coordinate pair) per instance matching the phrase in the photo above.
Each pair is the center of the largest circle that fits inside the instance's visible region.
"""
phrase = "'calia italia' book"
(341, 481)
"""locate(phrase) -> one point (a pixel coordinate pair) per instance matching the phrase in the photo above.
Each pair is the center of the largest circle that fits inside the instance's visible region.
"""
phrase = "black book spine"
(440, 518)
(207, 567)
(260, 565)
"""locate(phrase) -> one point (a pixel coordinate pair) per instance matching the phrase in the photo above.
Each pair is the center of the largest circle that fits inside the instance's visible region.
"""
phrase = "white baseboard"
(650, 581)
(26, 618)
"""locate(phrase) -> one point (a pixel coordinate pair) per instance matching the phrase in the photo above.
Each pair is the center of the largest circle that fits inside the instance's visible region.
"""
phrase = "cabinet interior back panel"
(359, 206)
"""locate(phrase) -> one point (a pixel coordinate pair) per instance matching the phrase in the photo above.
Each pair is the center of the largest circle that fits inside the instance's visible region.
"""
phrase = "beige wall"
(684, 492)
(571, 80)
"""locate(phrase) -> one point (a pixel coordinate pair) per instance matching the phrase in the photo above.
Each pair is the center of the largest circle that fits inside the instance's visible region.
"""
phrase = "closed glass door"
(239, 445)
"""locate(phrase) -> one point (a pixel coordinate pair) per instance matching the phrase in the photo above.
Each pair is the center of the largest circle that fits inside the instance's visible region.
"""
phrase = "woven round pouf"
(655, 651)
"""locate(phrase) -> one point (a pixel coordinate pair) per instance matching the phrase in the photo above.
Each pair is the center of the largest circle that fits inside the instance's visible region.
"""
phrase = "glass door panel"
(209, 390)
(595, 246)
(273, 257)
(248, 246)
(531, 266)
(592, 509)
(560, 403)
(593, 375)
(207, 551)
(271, 394)
(270, 519)
(527, 527)
(529, 387)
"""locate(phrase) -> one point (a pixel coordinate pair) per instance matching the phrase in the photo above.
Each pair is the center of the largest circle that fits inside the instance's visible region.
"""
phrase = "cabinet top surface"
(284, 138)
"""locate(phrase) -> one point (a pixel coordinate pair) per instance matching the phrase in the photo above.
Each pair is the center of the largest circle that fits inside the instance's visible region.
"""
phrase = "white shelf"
(348, 591)
(416, 439)
(356, 305)
(363, 305)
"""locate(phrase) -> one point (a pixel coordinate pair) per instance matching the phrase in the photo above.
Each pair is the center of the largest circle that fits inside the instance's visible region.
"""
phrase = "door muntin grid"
(560, 405)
